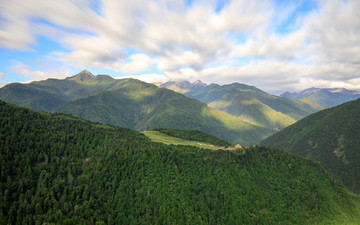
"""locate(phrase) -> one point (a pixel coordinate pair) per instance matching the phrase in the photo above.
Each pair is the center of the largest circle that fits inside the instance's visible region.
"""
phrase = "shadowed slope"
(330, 136)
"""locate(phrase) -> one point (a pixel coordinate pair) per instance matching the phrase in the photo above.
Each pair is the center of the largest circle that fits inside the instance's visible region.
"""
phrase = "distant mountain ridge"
(248, 102)
(331, 136)
(184, 86)
(327, 97)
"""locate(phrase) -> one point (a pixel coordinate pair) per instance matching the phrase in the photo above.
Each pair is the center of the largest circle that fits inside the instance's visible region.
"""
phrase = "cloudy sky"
(276, 45)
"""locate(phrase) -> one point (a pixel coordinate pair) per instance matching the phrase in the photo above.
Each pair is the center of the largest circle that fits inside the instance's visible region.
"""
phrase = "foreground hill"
(58, 168)
(330, 136)
(249, 103)
(139, 105)
(327, 97)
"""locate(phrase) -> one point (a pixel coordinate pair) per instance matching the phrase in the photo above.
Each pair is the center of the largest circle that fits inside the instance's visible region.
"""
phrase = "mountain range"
(331, 136)
(56, 168)
(238, 113)
(327, 97)
(131, 103)
(248, 102)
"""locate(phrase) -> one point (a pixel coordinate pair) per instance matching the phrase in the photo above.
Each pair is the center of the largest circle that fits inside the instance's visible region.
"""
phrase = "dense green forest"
(194, 135)
(331, 136)
(60, 169)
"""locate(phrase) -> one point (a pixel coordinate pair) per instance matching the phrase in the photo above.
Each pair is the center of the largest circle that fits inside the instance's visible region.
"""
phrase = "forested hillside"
(330, 136)
(57, 168)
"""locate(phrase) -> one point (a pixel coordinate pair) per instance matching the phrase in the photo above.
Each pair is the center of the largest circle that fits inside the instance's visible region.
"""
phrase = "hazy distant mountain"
(331, 136)
(184, 86)
(249, 103)
(327, 97)
(139, 105)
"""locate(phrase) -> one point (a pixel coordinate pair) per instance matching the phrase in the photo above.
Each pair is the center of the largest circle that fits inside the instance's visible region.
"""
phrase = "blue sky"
(277, 46)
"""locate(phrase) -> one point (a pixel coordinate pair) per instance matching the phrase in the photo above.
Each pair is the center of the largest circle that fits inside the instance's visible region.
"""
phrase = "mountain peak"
(83, 76)
(303, 94)
(199, 83)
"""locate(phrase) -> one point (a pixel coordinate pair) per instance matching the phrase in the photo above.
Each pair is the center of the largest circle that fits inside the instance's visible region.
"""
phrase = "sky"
(275, 45)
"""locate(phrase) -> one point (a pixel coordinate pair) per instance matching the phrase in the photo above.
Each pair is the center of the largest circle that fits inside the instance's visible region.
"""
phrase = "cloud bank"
(273, 45)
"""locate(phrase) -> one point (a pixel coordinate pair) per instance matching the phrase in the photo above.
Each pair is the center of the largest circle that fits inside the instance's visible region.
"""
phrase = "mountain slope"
(136, 105)
(330, 136)
(59, 169)
(327, 97)
(51, 93)
(254, 105)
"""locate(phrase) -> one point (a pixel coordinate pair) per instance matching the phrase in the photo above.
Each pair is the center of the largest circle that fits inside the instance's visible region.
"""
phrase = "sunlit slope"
(157, 136)
(194, 135)
(59, 169)
(254, 105)
(140, 105)
(330, 136)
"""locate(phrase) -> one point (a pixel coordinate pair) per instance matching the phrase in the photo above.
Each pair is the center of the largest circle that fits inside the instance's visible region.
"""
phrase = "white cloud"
(2, 75)
(194, 42)
(274, 76)
(139, 62)
(173, 62)
(21, 20)
(184, 74)
(273, 47)
(334, 32)
(33, 75)
(91, 52)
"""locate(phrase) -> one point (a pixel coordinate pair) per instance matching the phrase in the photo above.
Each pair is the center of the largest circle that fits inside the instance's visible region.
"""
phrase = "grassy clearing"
(156, 136)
